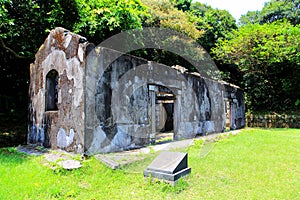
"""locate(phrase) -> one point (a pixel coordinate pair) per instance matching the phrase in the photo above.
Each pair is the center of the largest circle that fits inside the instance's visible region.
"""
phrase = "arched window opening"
(51, 90)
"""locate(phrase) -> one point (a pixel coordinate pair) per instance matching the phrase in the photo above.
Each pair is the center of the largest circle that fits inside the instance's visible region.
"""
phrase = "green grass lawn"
(255, 164)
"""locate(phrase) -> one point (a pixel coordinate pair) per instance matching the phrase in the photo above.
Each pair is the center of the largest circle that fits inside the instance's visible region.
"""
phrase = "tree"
(268, 57)
(274, 10)
(102, 19)
(216, 24)
(25, 24)
(281, 9)
(164, 14)
(199, 9)
(251, 17)
(183, 5)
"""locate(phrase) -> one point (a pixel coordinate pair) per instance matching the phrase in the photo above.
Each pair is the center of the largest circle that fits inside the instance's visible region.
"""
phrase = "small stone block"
(70, 164)
(169, 166)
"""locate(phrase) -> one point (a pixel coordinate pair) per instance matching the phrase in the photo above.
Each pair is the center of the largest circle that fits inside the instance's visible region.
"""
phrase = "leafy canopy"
(216, 24)
(268, 56)
(274, 10)
(102, 19)
(164, 14)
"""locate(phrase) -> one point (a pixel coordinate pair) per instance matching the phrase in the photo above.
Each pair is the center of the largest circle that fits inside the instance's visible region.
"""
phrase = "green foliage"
(199, 9)
(29, 21)
(269, 59)
(216, 24)
(24, 24)
(281, 9)
(102, 19)
(183, 5)
(297, 103)
(274, 10)
(251, 17)
(275, 51)
(164, 14)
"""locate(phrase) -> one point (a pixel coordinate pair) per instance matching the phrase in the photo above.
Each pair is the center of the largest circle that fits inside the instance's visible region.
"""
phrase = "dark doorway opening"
(164, 114)
(169, 124)
(51, 96)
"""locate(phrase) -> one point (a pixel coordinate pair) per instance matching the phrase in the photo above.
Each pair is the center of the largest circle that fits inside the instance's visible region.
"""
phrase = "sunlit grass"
(256, 164)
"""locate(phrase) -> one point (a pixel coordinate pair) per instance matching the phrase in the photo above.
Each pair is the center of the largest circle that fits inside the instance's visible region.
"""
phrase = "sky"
(236, 7)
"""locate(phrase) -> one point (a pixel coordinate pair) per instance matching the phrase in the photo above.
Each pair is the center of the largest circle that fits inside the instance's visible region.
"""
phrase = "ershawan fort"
(90, 100)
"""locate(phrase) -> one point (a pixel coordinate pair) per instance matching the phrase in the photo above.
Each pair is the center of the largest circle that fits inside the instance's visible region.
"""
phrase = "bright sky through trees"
(236, 7)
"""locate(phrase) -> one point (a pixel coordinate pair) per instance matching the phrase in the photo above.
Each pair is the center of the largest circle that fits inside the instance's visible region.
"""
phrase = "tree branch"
(10, 50)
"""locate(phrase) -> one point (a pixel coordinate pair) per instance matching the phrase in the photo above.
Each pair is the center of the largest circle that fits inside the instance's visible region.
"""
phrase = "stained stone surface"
(106, 101)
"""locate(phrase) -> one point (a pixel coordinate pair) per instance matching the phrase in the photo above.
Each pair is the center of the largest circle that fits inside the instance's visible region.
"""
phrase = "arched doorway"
(51, 96)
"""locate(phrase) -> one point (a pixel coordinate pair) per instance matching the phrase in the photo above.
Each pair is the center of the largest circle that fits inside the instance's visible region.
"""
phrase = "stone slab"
(108, 162)
(169, 162)
(168, 177)
(169, 166)
(70, 164)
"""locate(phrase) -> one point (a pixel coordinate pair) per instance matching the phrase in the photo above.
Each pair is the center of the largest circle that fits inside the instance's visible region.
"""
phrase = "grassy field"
(255, 164)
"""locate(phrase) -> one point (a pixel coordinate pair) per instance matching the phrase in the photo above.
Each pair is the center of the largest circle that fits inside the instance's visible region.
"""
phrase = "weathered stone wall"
(107, 101)
(63, 128)
(109, 126)
(273, 121)
(121, 111)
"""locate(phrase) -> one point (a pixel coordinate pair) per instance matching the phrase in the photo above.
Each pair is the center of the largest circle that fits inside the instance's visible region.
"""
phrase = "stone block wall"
(273, 120)
(91, 99)
(121, 105)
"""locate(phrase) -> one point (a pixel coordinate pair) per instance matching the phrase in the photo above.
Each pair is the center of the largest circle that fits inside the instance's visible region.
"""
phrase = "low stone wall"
(273, 120)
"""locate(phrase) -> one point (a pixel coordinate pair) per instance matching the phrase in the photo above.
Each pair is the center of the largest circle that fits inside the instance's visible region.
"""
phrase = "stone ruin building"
(105, 103)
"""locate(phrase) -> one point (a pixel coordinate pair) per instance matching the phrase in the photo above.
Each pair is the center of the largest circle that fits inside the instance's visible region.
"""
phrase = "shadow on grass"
(10, 157)
(13, 130)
